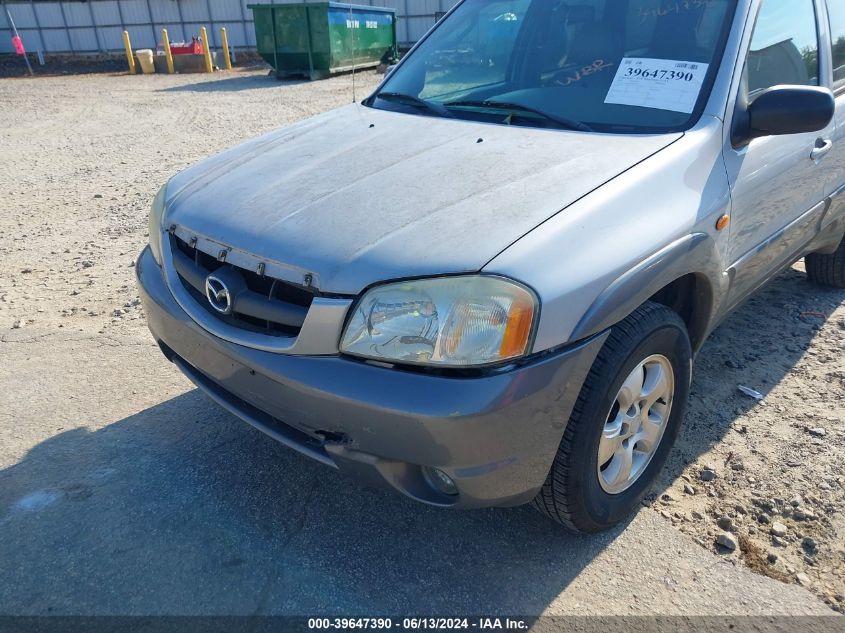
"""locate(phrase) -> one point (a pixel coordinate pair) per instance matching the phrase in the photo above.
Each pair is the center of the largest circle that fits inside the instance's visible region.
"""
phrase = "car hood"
(359, 195)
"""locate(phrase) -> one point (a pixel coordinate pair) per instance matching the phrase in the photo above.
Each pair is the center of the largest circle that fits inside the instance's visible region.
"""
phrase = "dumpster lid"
(331, 5)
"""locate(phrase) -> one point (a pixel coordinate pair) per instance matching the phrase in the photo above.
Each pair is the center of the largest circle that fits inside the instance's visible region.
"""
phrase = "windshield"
(592, 65)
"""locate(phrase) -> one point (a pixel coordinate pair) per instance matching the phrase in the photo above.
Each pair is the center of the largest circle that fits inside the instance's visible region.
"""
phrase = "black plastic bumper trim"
(279, 431)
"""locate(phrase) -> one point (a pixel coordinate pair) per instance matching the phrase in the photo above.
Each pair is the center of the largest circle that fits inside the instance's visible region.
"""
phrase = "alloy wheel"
(635, 424)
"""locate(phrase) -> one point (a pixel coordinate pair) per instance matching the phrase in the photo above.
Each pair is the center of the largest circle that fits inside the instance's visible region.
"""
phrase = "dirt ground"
(83, 157)
(772, 473)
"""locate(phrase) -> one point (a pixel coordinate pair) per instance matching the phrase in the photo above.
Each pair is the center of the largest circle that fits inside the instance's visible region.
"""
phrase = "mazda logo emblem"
(218, 294)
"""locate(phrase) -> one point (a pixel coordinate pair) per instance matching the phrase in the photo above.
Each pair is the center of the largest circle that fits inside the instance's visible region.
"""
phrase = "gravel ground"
(770, 473)
(83, 157)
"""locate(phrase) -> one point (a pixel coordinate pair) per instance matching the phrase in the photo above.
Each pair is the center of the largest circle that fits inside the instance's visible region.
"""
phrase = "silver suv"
(485, 285)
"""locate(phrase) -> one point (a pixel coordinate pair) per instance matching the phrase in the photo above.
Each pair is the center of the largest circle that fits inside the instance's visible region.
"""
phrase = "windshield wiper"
(562, 121)
(411, 100)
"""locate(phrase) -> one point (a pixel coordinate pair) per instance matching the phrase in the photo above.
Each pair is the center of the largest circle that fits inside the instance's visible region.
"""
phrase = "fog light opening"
(440, 481)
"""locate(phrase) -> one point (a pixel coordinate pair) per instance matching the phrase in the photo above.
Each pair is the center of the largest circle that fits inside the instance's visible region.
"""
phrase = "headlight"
(156, 218)
(451, 321)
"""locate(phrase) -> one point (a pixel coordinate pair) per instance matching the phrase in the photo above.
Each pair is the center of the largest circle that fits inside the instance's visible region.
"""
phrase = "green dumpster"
(317, 39)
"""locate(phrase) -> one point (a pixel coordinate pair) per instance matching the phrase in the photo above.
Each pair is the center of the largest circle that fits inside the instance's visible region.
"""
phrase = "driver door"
(777, 182)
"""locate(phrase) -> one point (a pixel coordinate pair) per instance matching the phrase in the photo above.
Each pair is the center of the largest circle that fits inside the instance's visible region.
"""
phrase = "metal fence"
(90, 26)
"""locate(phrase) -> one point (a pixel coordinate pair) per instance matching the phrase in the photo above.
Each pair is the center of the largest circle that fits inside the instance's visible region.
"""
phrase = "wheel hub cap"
(635, 424)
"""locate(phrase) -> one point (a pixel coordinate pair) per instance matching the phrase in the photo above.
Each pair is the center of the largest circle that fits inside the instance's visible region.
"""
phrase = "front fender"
(594, 262)
(695, 254)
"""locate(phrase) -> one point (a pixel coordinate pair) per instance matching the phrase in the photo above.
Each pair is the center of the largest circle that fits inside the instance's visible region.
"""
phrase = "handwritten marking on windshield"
(596, 67)
(674, 7)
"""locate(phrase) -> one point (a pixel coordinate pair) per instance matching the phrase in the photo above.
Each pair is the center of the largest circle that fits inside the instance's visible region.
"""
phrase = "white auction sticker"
(663, 84)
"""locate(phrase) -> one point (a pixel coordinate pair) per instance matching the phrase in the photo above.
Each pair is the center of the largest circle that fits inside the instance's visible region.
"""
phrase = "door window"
(784, 47)
(836, 9)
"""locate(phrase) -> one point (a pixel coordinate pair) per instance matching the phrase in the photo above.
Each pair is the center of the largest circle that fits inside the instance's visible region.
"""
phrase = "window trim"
(838, 91)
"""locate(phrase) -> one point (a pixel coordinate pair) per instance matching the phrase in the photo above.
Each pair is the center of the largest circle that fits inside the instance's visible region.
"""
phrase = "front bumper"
(494, 435)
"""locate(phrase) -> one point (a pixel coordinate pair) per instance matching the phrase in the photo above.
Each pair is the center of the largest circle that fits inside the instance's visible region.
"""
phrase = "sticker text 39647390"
(662, 84)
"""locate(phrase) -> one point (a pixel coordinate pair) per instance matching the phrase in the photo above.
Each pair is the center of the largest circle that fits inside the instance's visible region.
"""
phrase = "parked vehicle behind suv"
(485, 285)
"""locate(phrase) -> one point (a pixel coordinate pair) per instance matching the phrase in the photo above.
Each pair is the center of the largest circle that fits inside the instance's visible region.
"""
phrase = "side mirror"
(784, 110)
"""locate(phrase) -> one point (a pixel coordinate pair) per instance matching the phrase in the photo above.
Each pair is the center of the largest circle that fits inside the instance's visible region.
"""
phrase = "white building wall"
(91, 26)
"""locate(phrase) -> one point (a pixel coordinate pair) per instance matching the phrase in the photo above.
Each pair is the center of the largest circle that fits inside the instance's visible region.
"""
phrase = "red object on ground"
(194, 48)
(17, 43)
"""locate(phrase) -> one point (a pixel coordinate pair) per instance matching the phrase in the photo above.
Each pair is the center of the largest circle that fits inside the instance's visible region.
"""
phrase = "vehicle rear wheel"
(827, 270)
(624, 423)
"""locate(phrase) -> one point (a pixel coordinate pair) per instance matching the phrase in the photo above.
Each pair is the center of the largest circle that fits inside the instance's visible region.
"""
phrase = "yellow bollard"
(129, 56)
(165, 41)
(206, 49)
(224, 40)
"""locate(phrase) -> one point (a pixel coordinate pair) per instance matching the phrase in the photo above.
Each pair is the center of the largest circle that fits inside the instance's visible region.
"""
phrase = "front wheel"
(624, 422)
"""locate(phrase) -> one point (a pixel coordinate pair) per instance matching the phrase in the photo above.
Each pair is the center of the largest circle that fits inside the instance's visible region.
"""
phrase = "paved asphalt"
(123, 490)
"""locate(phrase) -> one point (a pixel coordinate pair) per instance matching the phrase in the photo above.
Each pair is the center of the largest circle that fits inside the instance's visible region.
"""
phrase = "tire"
(577, 493)
(827, 270)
